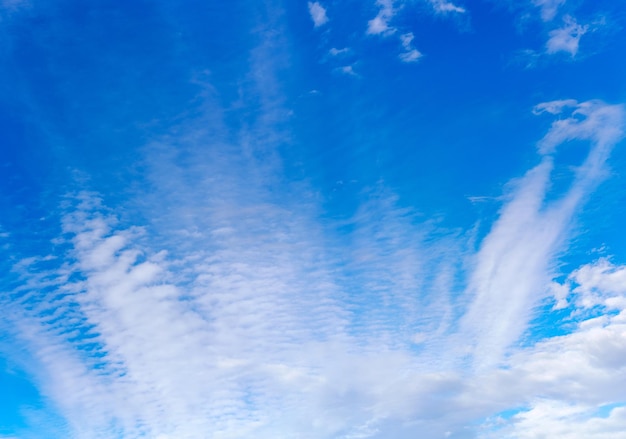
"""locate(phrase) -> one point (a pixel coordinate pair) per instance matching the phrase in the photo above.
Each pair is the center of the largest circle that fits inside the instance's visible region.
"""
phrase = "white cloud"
(547, 418)
(240, 334)
(578, 375)
(235, 311)
(511, 271)
(445, 7)
(250, 345)
(181, 356)
(230, 308)
(411, 54)
(601, 283)
(380, 24)
(318, 14)
(591, 120)
(388, 267)
(549, 8)
(348, 70)
(566, 38)
(337, 52)
(554, 107)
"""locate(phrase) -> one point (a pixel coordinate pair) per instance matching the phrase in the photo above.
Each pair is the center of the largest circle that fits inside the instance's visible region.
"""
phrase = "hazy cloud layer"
(252, 327)
(222, 289)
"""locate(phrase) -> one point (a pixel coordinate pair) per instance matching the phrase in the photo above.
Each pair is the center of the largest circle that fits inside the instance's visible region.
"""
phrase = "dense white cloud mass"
(578, 375)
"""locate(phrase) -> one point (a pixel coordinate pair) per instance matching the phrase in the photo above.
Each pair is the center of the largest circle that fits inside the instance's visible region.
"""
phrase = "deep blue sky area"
(315, 219)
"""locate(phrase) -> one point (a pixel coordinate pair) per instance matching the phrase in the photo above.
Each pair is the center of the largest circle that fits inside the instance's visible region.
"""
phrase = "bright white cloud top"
(228, 225)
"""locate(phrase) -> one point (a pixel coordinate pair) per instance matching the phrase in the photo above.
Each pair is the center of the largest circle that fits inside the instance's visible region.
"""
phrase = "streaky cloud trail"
(513, 265)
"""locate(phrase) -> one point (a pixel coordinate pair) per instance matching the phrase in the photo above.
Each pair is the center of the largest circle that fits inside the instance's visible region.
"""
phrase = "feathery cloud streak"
(445, 7)
(223, 292)
(250, 326)
(513, 264)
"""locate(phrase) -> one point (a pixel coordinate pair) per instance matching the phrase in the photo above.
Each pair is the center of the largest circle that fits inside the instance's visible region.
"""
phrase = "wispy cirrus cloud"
(347, 70)
(237, 309)
(549, 8)
(233, 327)
(564, 25)
(380, 24)
(339, 52)
(219, 295)
(410, 54)
(566, 38)
(530, 230)
(446, 7)
(318, 13)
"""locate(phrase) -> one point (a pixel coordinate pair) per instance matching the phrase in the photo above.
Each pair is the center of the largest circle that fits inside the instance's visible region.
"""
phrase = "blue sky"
(316, 220)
